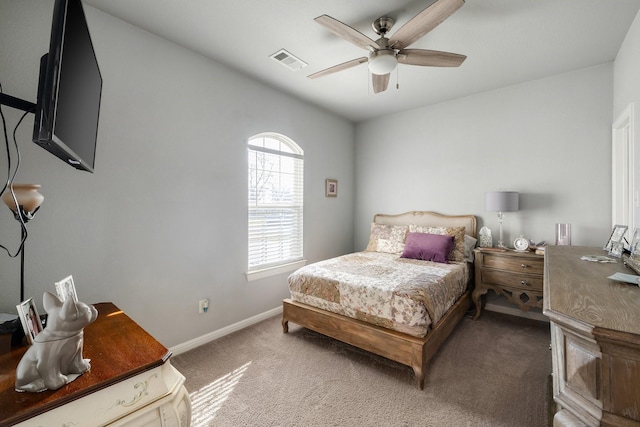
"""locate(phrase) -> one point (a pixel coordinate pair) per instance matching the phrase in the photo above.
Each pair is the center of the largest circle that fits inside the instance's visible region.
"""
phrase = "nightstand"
(516, 275)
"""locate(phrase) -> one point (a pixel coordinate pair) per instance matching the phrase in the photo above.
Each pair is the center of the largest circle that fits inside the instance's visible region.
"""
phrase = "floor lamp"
(24, 200)
(501, 201)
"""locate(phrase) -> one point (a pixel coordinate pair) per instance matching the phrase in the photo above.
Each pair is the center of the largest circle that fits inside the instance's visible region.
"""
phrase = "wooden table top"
(118, 348)
(580, 290)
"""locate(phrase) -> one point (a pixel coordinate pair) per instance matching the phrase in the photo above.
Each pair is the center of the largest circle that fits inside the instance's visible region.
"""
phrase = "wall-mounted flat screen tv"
(69, 90)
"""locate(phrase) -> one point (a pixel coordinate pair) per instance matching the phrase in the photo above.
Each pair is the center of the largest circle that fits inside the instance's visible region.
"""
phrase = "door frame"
(624, 197)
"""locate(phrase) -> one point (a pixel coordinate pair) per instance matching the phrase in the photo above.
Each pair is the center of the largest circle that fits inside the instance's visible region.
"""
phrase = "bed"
(410, 329)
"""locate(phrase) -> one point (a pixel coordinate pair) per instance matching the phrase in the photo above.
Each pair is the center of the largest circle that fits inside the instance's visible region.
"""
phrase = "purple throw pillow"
(428, 247)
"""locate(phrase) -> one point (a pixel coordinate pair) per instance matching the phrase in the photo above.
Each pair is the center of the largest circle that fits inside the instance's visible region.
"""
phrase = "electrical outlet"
(203, 306)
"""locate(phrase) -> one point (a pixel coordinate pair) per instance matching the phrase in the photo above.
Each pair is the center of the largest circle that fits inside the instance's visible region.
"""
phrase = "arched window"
(276, 166)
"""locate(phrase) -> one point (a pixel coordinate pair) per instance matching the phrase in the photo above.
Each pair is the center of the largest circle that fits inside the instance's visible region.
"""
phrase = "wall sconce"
(24, 200)
(501, 201)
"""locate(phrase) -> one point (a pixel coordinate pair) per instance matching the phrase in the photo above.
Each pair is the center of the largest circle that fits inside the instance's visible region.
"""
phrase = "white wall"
(162, 222)
(626, 90)
(547, 139)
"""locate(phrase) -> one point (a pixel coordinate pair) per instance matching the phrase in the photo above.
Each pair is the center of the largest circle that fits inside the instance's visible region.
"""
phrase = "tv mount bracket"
(17, 103)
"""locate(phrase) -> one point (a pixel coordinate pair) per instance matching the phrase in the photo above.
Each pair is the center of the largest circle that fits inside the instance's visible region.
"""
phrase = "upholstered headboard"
(431, 219)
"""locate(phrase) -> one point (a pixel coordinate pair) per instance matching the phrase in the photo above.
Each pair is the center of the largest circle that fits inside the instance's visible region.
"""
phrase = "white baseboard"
(204, 339)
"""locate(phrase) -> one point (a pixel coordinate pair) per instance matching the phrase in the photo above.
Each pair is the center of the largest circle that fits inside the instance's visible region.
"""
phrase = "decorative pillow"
(469, 245)
(458, 233)
(387, 238)
(428, 247)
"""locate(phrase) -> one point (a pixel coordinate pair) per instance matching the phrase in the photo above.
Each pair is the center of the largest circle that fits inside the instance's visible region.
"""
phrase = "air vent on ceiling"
(288, 60)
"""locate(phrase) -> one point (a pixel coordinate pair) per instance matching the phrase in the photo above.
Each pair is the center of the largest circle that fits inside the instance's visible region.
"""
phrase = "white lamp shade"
(382, 62)
(501, 201)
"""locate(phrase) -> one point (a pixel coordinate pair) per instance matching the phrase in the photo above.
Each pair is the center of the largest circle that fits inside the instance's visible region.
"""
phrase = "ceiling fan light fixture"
(383, 61)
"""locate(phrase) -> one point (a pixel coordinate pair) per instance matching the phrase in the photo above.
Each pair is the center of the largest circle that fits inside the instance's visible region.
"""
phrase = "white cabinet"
(131, 383)
(154, 398)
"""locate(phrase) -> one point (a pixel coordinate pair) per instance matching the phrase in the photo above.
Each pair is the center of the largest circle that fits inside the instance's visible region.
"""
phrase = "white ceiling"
(506, 42)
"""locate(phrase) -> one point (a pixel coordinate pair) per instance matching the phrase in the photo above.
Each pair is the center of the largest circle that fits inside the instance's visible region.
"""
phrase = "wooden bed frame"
(403, 348)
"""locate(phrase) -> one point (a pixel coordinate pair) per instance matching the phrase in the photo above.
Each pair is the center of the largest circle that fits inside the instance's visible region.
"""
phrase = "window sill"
(272, 271)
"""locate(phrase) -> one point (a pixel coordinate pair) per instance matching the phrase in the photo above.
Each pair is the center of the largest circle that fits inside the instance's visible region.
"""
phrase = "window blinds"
(275, 207)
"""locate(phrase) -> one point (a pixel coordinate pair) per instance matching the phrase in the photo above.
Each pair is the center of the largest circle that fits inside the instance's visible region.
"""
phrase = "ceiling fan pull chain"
(397, 78)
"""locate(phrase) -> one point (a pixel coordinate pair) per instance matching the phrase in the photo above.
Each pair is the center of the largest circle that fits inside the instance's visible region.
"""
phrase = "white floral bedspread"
(396, 293)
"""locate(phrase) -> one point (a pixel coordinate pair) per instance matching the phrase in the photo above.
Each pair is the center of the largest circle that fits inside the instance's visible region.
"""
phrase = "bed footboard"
(406, 349)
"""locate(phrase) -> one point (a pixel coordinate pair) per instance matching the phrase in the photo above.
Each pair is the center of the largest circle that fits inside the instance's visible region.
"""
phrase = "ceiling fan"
(385, 53)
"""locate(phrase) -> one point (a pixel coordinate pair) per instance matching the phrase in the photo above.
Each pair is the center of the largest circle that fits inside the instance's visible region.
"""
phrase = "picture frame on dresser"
(617, 234)
(635, 245)
(616, 250)
(30, 319)
(66, 288)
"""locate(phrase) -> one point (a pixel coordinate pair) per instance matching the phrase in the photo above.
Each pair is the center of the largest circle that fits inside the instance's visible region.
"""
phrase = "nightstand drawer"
(513, 264)
(505, 278)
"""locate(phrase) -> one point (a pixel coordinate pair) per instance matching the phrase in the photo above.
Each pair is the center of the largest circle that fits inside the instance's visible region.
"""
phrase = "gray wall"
(549, 139)
(162, 222)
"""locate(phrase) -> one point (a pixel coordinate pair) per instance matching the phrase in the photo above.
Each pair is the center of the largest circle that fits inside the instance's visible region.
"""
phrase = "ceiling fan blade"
(424, 22)
(380, 82)
(345, 32)
(339, 67)
(430, 58)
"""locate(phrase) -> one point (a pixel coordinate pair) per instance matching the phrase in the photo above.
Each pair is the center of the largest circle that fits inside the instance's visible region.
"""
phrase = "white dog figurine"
(55, 358)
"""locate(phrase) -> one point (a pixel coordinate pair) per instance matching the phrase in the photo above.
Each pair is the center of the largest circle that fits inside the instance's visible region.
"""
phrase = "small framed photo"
(331, 188)
(616, 236)
(66, 289)
(30, 319)
(635, 245)
(616, 249)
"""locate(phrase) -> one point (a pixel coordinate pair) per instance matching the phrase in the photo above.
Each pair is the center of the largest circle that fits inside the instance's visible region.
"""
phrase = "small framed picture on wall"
(331, 188)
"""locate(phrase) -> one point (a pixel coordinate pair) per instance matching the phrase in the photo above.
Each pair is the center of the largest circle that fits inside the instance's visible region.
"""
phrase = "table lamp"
(501, 201)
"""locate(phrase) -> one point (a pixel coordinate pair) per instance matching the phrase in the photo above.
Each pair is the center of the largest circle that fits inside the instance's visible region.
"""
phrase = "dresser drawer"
(515, 264)
(512, 280)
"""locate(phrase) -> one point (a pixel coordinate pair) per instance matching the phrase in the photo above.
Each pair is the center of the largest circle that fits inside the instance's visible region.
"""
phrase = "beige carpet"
(491, 372)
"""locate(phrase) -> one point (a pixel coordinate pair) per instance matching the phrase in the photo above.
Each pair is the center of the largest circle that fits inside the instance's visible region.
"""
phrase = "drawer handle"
(524, 283)
(524, 265)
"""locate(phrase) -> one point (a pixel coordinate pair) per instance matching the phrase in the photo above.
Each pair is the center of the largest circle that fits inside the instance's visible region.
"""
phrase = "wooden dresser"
(516, 275)
(131, 382)
(595, 338)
